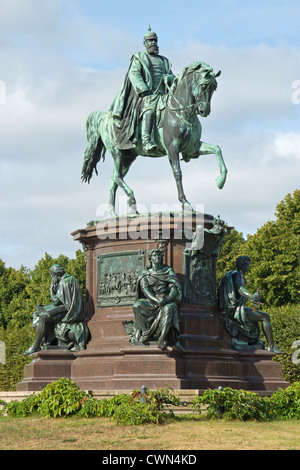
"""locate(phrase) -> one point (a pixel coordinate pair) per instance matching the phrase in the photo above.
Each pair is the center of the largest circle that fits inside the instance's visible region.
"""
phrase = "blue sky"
(62, 59)
(234, 23)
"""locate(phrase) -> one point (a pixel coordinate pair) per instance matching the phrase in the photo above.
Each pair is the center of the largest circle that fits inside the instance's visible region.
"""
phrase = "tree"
(231, 248)
(13, 285)
(275, 253)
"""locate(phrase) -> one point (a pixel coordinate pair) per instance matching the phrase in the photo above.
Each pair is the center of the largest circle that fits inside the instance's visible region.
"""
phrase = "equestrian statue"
(155, 114)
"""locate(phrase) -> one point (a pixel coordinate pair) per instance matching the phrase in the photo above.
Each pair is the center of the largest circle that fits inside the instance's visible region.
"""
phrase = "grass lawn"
(182, 433)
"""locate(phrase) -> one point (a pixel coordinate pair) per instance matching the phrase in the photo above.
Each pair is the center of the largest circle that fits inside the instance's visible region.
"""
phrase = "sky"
(62, 59)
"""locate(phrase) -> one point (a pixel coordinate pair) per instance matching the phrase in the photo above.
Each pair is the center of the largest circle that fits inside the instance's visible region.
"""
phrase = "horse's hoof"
(112, 214)
(186, 207)
(132, 210)
(220, 181)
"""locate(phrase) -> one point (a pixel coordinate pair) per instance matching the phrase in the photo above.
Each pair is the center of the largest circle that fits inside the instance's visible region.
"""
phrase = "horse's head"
(204, 83)
(200, 82)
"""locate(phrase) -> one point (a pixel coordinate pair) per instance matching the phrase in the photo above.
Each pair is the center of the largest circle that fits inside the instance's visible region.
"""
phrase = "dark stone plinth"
(47, 365)
(204, 368)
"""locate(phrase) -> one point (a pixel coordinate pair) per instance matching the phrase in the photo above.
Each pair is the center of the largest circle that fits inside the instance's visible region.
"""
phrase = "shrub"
(159, 397)
(21, 409)
(234, 404)
(286, 403)
(129, 410)
(136, 413)
(63, 398)
(132, 411)
(60, 398)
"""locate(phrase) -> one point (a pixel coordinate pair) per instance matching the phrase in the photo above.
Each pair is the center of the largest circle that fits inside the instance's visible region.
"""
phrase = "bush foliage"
(286, 403)
(235, 404)
(244, 406)
(63, 398)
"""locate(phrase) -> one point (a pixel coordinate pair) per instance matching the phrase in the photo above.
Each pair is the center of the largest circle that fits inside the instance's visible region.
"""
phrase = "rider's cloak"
(126, 107)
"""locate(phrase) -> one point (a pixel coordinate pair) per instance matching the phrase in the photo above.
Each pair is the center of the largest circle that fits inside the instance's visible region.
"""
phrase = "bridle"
(190, 109)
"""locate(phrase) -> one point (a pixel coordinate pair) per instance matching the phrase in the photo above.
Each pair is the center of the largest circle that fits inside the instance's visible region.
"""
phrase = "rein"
(190, 109)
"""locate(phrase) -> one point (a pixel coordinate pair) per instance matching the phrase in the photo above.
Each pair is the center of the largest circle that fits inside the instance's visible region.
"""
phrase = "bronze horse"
(177, 131)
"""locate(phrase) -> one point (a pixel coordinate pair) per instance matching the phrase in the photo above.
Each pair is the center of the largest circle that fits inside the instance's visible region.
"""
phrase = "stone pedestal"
(116, 252)
(110, 362)
(48, 365)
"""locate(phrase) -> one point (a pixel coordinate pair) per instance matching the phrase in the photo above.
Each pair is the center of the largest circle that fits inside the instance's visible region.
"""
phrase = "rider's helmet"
(149, 35)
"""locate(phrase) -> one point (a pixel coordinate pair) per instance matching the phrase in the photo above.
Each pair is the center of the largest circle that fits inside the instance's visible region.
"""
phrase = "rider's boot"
(147, 126)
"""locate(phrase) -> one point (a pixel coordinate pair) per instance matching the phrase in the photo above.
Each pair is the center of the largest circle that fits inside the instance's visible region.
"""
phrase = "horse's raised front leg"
(207, 149)
(173, 156)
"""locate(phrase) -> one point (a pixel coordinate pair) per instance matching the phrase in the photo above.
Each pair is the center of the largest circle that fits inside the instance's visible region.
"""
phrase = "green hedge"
(16, 340)
(286, 326)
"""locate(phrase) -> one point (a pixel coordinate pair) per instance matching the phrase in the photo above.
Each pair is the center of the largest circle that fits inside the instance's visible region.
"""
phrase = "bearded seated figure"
(156, 309)
(61, 322)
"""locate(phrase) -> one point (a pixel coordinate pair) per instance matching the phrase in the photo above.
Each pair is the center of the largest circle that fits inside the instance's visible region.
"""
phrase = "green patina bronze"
(62, 322)
(117, 277)
(241, 322)
(155, 114)
(199, 280)
(158, 293)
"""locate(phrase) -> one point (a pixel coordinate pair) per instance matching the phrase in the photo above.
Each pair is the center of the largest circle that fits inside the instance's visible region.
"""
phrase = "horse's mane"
(195, 66)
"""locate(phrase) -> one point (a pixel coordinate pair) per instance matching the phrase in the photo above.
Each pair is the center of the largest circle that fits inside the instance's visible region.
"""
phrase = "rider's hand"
(255, 297)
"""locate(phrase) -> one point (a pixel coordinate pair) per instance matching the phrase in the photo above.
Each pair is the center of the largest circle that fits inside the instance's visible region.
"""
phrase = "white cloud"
(287, 145)
(42, 130)
(29, 16)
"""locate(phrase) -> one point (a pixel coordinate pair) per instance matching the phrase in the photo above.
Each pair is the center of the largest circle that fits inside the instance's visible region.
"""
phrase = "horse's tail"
(95, 148)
